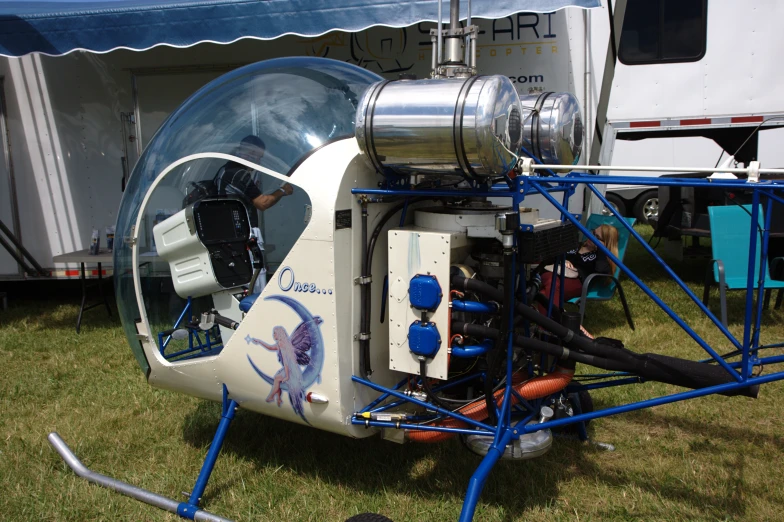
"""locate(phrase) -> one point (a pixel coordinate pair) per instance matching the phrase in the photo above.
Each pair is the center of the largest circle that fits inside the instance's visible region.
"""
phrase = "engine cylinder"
(471, 126)
(552, 127)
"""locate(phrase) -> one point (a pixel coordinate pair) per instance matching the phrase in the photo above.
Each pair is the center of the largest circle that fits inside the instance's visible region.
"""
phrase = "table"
(83, 257)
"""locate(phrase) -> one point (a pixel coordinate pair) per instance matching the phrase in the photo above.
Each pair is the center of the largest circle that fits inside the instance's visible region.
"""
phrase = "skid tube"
(507, 430)
(189, 510)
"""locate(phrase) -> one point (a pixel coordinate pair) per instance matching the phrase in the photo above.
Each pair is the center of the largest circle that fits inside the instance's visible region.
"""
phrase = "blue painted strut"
(478, 479)
(751, 331)
(639, 283)
(189, 509)
(669, 270)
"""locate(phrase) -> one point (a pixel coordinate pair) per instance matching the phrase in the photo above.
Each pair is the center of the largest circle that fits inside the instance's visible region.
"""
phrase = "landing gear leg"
(190, 509)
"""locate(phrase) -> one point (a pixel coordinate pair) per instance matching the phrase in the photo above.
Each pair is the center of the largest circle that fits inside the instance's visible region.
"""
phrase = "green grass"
(715, 458)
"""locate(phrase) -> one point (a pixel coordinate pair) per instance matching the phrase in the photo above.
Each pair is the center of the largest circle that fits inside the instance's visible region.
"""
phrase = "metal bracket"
(526, 166)
(754, 172)
(362, 336)
(363, 280)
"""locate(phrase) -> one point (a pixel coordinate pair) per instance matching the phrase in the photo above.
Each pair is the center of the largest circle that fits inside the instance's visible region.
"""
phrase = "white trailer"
(694, 79)
(75, 125)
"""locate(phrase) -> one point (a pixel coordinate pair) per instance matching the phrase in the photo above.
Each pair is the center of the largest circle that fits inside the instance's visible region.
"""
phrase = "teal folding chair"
(730, 228)
(602, 287)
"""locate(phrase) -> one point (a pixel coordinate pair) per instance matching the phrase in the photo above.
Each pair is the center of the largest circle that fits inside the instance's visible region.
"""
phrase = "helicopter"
(411, 193)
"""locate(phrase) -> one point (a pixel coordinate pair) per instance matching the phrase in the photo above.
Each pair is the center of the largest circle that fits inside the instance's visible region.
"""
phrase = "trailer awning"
(56, 27)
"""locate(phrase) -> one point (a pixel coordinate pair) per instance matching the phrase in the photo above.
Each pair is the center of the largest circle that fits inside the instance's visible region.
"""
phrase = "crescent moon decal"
(304, 347)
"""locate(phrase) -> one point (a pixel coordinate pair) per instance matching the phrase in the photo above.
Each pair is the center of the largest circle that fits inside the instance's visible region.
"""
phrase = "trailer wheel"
(646, 208)
(369, 517)
(617, 203)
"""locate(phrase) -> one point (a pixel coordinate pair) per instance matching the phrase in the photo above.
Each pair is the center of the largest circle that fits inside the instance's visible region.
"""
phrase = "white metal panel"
(736, 76)
(771, 148)
(660, 91)
(411, 252)
(744, 46)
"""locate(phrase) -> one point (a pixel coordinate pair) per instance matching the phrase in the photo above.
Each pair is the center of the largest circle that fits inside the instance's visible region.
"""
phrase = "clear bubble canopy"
(295, 105)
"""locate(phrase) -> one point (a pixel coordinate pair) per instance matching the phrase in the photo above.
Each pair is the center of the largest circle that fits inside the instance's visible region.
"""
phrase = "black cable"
(367, 269)
(364, 302)
(426, 386)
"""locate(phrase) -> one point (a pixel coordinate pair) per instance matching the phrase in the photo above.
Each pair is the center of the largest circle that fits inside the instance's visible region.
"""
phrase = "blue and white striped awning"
(58, 27)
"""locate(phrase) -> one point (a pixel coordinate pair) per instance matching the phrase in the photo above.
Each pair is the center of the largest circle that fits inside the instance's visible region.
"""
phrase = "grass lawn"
(715, 458)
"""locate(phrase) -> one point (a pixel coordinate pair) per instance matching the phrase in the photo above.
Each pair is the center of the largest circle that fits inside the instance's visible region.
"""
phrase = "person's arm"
(265, 201)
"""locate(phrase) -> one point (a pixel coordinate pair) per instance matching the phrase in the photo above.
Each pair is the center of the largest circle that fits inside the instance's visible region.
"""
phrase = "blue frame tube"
(501, 192)
(582, 177)
(669, 271)
(642, 285)
(505, 412)
(474, 307)
(691, 394)
(381, 398)
(763, 268)
(771, 360)
(478, 479)
(177, 324)
(188, 509)
(752, 267)
(431, 407)
(770, 194)
(763, 272)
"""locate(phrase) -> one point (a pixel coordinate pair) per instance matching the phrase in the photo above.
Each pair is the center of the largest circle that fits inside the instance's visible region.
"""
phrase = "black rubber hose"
(570, 338)
(650, 366)
(366, 295)
(364, 302)
(476, 330)
(225, 321)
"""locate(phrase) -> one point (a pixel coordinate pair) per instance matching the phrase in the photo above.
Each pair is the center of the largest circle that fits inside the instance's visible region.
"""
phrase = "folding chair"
(596, 287)
(731, 242)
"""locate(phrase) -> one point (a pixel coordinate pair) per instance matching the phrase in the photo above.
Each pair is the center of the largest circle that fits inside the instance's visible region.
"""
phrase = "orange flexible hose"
(536, 388)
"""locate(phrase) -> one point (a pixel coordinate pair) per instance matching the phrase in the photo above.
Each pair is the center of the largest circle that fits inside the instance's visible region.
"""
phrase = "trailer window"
(663, 31)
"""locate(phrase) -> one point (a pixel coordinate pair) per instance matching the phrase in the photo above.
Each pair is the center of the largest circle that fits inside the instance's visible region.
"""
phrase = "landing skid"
(189, 510)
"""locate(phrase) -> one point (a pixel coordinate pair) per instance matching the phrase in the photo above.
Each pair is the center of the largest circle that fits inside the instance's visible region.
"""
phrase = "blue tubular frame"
(209, 347)
(188, 509)
(644, 287)
(509, 427)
